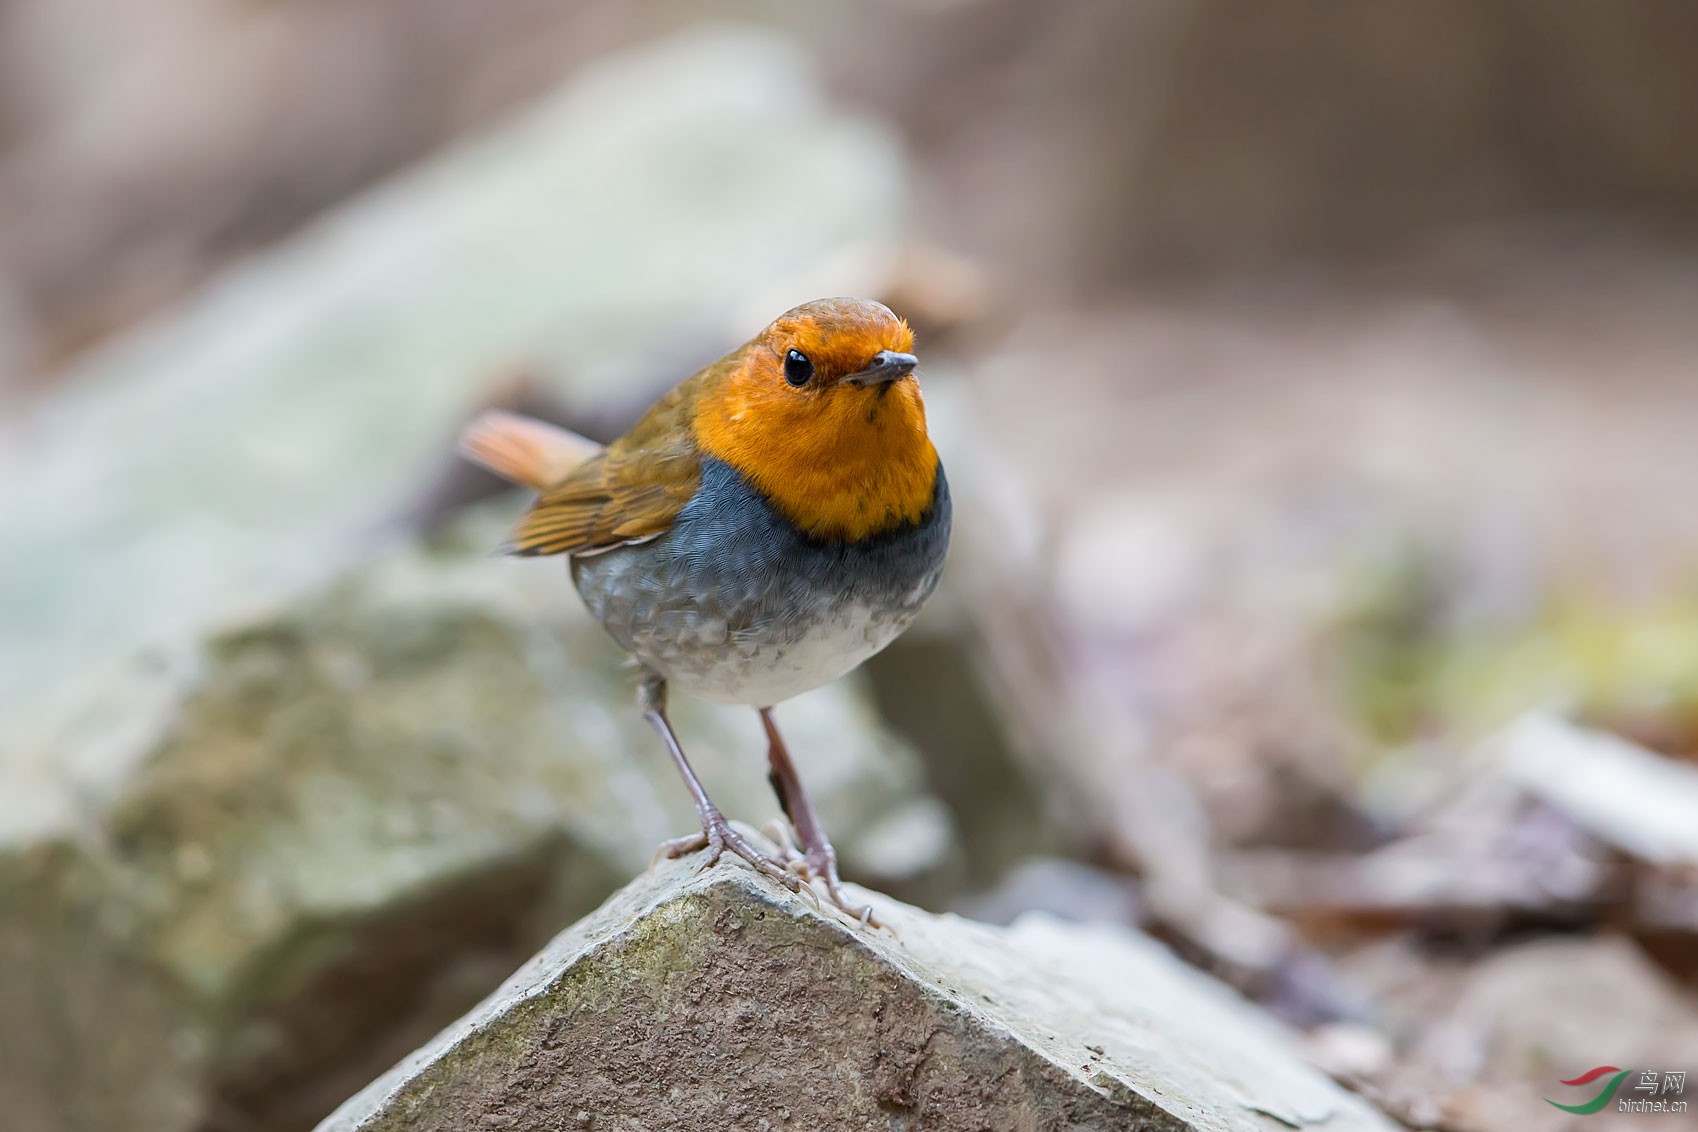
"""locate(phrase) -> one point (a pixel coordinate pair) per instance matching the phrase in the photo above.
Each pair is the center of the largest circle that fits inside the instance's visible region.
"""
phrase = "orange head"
(822, 413)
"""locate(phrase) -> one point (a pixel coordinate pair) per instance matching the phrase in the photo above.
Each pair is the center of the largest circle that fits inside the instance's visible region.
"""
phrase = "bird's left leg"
(717, 835)
(817, 853)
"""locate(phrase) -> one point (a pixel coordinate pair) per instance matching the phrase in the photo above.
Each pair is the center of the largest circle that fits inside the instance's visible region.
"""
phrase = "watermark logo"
(1651, 1091)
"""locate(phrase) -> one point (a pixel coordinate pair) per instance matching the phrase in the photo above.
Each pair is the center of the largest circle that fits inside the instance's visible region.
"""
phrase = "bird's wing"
(628, 492)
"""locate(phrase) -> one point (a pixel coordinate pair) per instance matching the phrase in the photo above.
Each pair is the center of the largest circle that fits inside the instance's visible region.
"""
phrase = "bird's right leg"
(819, 859)
(717, 834)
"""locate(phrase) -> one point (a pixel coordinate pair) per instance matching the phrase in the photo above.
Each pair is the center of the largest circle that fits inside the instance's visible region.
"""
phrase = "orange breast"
(843, 463)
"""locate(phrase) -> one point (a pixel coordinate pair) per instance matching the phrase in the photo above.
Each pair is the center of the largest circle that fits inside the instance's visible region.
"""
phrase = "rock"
(291, 853)
(718, 1000)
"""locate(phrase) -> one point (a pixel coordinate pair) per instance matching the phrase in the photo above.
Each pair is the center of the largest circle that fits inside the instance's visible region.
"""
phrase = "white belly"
(760, 669)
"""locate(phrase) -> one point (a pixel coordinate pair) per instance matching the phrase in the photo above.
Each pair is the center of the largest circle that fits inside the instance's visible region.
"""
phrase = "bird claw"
(793, 868)
(778, 831)
(861, 913)
(718, 836)
(678, 847)
(822, 865)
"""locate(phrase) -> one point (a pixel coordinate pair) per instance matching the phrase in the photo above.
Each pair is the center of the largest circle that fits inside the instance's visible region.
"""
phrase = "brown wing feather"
(629, 492)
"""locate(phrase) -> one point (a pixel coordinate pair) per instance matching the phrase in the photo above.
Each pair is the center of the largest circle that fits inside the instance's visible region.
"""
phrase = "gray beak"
(887, 365)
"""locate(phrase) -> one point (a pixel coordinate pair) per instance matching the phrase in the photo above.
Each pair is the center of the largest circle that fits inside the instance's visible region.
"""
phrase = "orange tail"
(523, 449)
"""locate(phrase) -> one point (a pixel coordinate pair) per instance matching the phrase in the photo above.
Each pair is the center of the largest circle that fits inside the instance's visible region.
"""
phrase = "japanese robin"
(769, 524)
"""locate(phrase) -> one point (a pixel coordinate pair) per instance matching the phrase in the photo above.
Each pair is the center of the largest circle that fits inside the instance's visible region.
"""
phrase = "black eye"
(797, 368)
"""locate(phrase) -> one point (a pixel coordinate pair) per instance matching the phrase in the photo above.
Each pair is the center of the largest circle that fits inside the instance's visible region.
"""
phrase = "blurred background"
(1317, 383)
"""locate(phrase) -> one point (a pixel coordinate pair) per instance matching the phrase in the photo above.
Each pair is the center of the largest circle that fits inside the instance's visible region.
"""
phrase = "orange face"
(822, 413)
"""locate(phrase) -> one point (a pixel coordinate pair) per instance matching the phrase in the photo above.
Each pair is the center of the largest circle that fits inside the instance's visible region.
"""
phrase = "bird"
(768, 525)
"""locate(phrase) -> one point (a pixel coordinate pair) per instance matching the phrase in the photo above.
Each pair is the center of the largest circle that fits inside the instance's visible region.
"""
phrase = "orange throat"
(846, 464)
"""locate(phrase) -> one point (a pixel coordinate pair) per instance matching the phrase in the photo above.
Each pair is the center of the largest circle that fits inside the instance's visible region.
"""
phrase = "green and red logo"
(1604, 1094)
(1652, 1091)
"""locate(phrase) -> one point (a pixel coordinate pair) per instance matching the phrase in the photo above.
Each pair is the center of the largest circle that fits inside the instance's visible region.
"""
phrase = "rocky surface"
(718, 1000)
